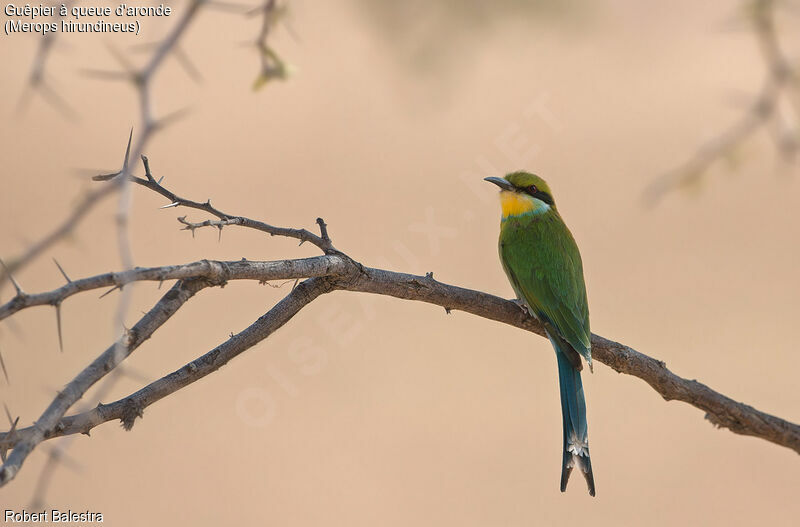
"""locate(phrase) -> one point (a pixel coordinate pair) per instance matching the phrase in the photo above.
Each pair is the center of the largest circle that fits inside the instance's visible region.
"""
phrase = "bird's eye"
(532, 189)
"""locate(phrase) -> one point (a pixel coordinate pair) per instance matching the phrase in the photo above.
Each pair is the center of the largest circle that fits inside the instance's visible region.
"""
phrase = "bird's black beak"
(500, 182)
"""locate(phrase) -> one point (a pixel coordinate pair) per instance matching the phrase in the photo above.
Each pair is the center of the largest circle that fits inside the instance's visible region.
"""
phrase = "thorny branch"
(208, 269)
(132, 406)
(782, 84)
(329, 272)
(346, 274)
(322, 240)
(104, 363)
(57, 455)
(142, 80)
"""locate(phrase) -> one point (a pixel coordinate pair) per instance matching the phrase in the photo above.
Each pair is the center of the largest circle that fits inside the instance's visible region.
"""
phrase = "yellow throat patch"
(515, 204)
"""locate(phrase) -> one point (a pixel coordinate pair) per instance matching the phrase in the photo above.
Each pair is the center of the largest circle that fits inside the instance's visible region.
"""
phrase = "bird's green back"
(543, 263)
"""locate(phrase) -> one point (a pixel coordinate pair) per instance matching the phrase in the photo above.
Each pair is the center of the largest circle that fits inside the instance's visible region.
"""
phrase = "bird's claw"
(523, 306)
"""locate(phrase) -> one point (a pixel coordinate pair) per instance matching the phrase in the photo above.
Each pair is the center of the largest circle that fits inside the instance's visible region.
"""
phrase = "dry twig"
(782, 83)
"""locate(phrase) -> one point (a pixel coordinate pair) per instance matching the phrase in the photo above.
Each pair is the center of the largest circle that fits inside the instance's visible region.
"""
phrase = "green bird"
(543, 264)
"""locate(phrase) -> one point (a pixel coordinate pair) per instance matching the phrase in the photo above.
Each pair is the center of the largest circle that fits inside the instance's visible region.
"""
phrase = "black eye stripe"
(538, 194)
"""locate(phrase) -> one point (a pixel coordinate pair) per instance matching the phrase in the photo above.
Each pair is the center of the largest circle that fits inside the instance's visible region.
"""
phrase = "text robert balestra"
(52, 516)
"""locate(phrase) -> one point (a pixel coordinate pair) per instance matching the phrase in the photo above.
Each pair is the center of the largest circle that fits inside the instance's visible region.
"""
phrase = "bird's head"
(523, 193)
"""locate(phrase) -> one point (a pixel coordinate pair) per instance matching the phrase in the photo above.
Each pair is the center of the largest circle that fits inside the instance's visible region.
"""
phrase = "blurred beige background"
(406, 415)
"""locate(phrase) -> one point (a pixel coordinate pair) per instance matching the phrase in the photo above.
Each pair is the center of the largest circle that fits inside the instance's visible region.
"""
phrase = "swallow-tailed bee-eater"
(543, 264)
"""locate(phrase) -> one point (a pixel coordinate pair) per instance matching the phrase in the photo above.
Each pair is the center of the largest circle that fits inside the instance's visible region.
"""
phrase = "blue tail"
(573, 413)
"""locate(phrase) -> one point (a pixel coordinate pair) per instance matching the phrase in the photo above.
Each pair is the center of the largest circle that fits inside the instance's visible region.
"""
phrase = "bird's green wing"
(542, 261)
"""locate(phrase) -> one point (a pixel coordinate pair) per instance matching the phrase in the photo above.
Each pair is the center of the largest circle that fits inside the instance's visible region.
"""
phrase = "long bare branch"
(720, 409)
(351, 276)
(215, 271)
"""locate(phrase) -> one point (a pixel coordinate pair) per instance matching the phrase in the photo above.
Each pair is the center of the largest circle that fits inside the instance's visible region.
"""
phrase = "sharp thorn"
(64, 274)
(127, 152)
(161, 179)
(111, 290)
(10, 434)
(8, 414)
(173, 204)
(11, 278)
(5, 371)
(105, 177)
(58, 327)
